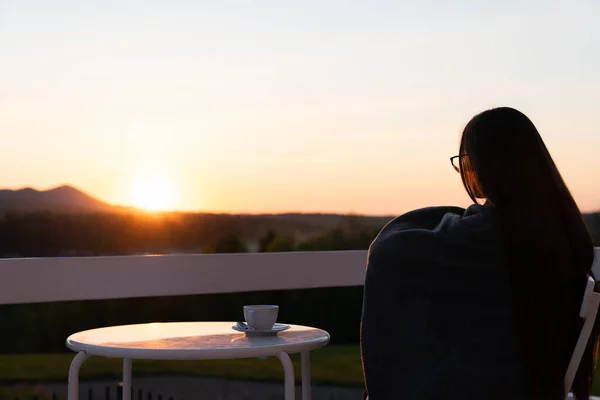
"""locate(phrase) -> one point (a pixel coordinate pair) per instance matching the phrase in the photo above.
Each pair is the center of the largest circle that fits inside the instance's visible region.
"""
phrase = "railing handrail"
(38, 280)
(33, 280)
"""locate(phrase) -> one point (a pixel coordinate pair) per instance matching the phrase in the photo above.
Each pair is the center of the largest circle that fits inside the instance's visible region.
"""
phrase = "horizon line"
(223, 212)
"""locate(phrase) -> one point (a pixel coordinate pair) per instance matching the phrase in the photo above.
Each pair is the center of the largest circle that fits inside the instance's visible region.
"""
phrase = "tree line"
(44, 234)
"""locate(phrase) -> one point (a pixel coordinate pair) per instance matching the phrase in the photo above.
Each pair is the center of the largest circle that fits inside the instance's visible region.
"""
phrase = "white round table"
(193, 341)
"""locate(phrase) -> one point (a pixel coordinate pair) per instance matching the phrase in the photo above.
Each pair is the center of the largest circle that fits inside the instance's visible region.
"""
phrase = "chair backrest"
(588, 311)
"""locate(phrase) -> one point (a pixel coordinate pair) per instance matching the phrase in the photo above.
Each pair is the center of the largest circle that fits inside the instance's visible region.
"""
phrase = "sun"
(154, 193)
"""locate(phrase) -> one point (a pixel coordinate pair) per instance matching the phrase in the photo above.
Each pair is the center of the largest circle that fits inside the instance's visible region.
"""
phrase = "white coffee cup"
(261, 317)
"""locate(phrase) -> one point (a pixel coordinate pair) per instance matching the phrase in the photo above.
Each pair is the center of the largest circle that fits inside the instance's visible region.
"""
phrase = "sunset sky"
(271, 106)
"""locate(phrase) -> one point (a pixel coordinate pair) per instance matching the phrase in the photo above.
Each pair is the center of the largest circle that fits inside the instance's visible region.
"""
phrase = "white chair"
(588, 311)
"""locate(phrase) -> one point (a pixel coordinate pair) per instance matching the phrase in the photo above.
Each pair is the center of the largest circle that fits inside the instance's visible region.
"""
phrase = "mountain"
(60, 199)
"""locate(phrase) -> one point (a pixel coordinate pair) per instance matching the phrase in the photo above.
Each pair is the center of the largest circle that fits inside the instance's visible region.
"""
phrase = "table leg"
(289, 380)
(73, 390)
(306, 375)
(127, 379)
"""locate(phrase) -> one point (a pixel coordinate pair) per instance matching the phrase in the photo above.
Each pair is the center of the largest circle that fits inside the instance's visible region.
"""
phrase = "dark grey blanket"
(437, 318)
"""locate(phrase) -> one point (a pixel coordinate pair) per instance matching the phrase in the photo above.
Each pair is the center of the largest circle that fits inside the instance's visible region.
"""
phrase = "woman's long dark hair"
(504, 160)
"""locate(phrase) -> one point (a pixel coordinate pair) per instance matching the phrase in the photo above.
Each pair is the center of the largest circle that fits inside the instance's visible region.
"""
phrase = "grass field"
(333, 365)
(338, 365)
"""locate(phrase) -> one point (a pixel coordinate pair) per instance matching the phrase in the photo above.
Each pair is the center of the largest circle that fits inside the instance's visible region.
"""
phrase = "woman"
(482, 303)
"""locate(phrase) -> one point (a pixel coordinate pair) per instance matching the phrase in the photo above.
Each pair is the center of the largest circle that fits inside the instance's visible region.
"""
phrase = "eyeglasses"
(455, 161)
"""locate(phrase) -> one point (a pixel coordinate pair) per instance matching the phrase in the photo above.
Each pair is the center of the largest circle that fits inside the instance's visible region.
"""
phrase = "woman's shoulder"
(415, 232)
(427, 218)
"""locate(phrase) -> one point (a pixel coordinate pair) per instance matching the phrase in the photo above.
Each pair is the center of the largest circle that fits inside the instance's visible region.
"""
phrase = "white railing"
(32, 280)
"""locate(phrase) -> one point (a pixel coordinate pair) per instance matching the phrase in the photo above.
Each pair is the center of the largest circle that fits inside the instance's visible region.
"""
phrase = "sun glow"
(154, 193)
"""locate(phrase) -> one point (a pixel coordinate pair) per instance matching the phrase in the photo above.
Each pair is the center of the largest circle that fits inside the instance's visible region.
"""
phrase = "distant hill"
(62, 199)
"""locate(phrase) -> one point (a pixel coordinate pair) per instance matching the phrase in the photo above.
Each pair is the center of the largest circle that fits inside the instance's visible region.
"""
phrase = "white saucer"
(257, 332)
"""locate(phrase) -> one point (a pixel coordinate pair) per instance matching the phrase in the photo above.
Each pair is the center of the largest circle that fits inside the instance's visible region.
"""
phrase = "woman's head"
(504, 160)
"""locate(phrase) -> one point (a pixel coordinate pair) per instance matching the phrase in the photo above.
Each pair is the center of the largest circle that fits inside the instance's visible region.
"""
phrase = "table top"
(192, 341)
